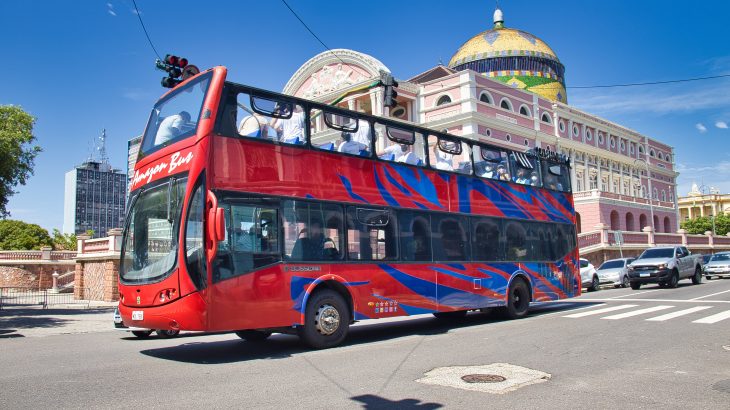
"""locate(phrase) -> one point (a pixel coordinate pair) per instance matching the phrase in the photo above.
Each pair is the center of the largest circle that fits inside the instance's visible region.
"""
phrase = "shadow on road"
(283, 346)
(14, 319)
(371, 401)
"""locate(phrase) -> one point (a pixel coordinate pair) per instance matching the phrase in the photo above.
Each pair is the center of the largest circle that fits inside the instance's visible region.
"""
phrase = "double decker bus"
(258, 213)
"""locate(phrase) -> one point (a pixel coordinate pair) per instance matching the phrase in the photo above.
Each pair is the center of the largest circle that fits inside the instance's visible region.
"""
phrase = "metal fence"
(25, 297)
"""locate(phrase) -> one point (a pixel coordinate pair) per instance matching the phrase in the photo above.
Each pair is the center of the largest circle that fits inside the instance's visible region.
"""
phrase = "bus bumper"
(186, 313)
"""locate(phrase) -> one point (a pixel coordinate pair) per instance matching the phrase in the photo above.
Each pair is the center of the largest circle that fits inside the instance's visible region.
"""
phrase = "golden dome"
(501, 42)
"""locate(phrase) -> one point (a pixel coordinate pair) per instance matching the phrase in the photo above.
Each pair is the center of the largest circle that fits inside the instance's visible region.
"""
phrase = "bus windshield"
(176, 115)
(150, 239)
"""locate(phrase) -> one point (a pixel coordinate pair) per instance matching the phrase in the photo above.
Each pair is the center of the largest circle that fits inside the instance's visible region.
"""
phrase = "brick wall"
(31, 273)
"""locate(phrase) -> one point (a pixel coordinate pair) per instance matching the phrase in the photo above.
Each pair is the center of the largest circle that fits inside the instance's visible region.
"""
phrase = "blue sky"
(81, 66)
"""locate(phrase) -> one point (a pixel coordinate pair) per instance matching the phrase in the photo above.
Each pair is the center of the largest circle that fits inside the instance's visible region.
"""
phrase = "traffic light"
(389, 94)
(174, 66)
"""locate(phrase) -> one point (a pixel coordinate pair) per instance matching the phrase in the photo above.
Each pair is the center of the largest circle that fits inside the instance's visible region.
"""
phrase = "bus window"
(270, 119)
(449, 238)
(312, 232)
(487, 246)
(341, 133)
(252, 240)
(415, 236)
(556, 176)
(176, 116)
(448, 154)
(371, 234)
(491, 163)
(526, 169)
(515, 241)
(194, 228)
(399, 145)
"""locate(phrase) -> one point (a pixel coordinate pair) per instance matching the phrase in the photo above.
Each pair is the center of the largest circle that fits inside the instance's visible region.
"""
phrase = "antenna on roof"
(102, 147)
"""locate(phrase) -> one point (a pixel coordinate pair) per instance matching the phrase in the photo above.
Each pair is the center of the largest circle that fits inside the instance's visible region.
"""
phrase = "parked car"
(588, 276)
(665, 265)
(615, 271)
(718, 266)
(140, 332)
(706, 259)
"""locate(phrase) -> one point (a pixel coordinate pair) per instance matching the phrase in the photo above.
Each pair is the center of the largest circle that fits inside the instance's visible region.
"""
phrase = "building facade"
(94, 199)
(506, 87)
(698, 203)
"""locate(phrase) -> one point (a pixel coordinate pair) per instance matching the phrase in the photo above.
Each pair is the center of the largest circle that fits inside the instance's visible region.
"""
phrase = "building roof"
(501, 42)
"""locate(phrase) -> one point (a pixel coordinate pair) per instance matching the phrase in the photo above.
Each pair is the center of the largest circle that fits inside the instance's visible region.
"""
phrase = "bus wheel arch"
(332, 284)
(518, 297)
(327, 316)
(520, 275)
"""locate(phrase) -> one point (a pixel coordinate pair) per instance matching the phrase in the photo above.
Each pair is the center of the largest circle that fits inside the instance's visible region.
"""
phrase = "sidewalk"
(60, 319)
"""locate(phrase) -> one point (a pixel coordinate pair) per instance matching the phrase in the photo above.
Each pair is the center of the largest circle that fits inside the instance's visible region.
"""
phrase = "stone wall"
(36, 274)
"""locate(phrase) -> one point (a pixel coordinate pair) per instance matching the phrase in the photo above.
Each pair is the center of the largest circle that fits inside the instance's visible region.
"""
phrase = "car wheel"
(326, 320)
(625, 283)
(595, 284)
(455, 315)
(674, 280)
(166, 334)
(142, 334)
(253, 335)
(708, 277)
(697, 278)
(518, 300)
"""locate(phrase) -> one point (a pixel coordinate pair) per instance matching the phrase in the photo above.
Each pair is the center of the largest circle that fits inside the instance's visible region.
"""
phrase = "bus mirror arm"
(216, 226)
(220, 225)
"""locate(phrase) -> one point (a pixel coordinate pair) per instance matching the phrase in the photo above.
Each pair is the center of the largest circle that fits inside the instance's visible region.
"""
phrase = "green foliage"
(17, 154)
(64, 241)
(528, 80)
(702, 224)
(19, 235)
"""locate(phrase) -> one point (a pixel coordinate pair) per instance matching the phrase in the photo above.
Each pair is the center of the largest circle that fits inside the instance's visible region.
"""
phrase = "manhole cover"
(483, 378)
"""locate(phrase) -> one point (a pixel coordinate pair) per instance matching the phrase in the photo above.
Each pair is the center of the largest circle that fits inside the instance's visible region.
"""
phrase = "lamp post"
(651, 193)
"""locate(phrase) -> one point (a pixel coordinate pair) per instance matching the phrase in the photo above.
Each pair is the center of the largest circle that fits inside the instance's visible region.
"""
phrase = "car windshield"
(657, 253)
(150, 239)
(721, 257)
(176, 115)
(612, 265)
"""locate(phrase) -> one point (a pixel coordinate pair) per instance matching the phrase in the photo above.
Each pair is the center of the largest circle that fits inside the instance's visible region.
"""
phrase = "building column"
(600, 173)
(610, 176)
(573, 177)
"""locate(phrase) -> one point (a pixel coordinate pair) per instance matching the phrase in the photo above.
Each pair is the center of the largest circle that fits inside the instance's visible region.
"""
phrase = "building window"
(600, 138)
(489, 132)
(664, 195)
(506, 104)
(589, 135)
(524, 111)
(508, 137)
(594, 182)
(652, 153)
(632, 148)
(623, 146)
(443, 100)
(641, 149)
(546, 118)
(486, 98)
(575, 130)
(613, 142)
(527, 142)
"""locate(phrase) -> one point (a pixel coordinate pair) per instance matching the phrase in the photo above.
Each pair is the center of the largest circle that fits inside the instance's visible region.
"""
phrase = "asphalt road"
(616, 348)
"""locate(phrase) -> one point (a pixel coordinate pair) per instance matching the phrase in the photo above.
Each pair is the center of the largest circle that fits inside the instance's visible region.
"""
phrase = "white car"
(615, 272)
(588, 276)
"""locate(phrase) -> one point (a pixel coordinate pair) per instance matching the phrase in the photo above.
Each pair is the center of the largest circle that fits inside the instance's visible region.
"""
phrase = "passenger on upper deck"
(290, 130)
(443, 160)
(502, 173)
(349, 146)
(521, 177)
(172, 126)
(401, 153)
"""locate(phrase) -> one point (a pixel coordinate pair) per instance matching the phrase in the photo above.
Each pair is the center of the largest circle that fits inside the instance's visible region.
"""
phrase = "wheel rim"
(625, 282)
(327, 319)
(519, 299)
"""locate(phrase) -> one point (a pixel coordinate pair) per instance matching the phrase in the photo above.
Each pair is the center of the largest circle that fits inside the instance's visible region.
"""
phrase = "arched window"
(667, 225)
(506, 104)
(486, 98)
(615, 222)
(641, 149)
(524, 111)
(657, 228)
(652, 153)
(443, 100)
(656, 194)
(630, 221)
(642, 221)
(546, 118)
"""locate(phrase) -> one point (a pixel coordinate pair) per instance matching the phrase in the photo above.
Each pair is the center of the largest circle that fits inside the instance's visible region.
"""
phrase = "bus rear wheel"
(518, 300)
(253, 335)
(142, 334)
(326, 320)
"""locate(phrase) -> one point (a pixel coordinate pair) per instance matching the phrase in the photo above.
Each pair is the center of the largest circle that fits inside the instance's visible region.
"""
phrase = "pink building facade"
(620, 178)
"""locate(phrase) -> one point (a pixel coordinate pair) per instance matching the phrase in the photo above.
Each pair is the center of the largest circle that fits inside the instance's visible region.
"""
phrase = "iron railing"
(31, 296)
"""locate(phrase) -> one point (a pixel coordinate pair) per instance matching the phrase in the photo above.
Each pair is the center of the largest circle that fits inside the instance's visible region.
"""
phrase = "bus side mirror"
(220, 225)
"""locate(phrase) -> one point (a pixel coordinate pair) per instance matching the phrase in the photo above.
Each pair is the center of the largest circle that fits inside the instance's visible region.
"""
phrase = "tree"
(702, 224)
(64, 241)
(17, 152)
(19, 235)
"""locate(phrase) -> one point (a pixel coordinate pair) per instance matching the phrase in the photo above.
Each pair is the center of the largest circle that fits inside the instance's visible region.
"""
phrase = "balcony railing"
(596, 194)
(603, 238)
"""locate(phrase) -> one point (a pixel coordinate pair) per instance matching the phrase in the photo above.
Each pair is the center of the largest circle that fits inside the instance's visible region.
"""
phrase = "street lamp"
(651, 198)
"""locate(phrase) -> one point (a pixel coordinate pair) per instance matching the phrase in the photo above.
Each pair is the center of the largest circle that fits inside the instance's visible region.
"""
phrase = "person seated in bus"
(330, 252)
(534, 179)
(350, 146)
(521, 177)
(552, 183)
(502, 173)
(290, 130)
(400, 153)
(172, 126)
(443, 159)
(256, 126)
(310, 245)
(489, 171)
(362, 135)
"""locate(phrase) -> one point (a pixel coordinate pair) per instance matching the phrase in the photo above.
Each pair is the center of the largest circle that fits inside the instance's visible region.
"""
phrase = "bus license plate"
(641, 275)
(137, 315)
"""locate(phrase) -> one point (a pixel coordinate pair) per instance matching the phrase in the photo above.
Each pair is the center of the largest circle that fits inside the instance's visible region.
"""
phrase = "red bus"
(258, 213)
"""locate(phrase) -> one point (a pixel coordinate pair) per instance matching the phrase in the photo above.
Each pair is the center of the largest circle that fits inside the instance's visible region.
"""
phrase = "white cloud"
(701, 127)
(112, 12)
(717, 176)
(721, 124)
(136, 94)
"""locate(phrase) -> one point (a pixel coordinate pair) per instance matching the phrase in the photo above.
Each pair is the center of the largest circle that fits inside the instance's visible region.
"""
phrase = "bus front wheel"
(518, 300)
(326, 320)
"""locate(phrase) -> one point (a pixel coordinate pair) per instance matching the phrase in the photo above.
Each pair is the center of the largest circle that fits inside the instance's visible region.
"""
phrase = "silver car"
(615, 271)
(718, 266)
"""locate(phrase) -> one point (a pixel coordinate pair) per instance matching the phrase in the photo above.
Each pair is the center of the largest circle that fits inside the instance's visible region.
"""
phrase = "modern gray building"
(95, 196)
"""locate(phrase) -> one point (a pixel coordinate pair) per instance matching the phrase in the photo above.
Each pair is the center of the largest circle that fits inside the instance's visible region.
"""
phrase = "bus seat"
(330, 146)
(388, 157)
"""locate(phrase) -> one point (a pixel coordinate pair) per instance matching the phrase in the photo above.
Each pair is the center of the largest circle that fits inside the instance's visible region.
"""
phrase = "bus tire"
(518, 300)
(454, 315)
(326, 320)
(253, 335)
(142, 334)
(166, 334)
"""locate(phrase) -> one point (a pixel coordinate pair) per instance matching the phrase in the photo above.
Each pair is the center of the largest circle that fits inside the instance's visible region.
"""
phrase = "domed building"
(506, 87)
(513, 57)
